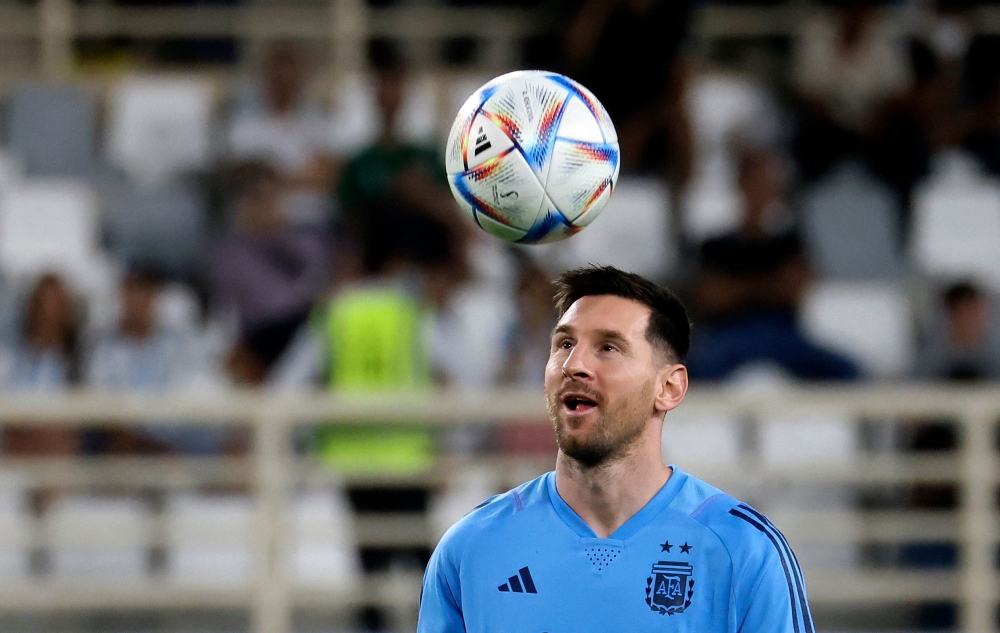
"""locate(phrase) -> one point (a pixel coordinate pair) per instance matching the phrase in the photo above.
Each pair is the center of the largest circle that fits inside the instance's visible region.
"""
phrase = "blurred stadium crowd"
(828, 207)
(831, 219)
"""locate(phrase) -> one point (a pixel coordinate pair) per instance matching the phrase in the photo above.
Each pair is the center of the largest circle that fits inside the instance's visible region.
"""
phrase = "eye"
(608, 347)
(564, 344)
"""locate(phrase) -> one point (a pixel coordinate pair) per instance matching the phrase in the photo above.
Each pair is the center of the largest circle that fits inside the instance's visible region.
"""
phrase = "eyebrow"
(562, 329)
(610, 335)
(613, 335)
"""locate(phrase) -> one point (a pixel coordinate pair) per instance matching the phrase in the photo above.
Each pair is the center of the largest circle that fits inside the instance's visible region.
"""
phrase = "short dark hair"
(959, 293)
(669, 328)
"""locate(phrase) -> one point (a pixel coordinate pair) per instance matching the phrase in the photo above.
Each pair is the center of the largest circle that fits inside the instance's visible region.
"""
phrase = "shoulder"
(768, 585)
(492, 517)
(750, 538)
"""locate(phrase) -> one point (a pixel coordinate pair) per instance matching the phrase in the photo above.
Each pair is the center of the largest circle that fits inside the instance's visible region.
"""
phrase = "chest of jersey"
(661, 580)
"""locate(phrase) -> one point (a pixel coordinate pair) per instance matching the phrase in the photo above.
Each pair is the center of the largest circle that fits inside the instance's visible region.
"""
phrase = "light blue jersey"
(693, 559)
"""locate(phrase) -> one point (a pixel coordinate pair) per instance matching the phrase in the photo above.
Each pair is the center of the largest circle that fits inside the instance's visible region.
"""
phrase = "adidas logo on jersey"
(522, 583)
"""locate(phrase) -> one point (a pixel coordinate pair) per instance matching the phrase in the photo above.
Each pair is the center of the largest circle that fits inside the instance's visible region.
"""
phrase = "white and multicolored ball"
(532, 157)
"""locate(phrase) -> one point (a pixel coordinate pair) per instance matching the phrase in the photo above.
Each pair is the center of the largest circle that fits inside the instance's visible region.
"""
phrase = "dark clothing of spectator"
(371, 175)
(981, 93)
(754, 319)
(650, 114)
(646, 43)
(734, 254)
(273, 282)
(723, 346)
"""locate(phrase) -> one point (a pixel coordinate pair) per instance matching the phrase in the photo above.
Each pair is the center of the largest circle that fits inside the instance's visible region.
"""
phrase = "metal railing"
(273, 469)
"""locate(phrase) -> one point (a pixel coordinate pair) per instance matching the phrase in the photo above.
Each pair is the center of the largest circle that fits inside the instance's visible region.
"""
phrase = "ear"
(671, 385)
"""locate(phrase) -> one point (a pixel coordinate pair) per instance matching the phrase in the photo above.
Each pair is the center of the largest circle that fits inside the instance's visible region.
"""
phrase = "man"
(394, 169)
(141, 354)
(751, 285)
(280, 125)
(964, 349)
(270, 269)
(614, 539)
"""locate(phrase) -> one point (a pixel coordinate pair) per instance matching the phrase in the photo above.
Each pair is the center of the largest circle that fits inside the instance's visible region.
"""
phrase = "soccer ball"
(532, 157)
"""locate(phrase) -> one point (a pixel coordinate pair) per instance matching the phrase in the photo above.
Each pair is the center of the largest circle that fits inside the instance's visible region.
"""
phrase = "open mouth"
(578, 404)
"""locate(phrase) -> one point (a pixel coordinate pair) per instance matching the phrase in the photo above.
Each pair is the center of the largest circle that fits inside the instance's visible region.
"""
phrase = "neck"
(609, 494)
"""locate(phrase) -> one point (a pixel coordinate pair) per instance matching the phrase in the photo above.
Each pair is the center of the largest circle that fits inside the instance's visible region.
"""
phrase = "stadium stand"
(132, 163)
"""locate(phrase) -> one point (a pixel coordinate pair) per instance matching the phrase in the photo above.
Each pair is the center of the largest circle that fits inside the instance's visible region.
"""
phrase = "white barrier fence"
(764, 462)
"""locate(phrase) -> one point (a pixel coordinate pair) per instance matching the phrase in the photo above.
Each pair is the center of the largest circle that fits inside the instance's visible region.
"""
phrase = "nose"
(576, 364)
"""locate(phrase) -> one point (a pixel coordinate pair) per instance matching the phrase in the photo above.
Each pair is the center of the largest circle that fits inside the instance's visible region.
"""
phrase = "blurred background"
(255, 362)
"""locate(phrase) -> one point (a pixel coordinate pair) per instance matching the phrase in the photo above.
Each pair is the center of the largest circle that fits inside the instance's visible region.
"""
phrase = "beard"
(616, 429)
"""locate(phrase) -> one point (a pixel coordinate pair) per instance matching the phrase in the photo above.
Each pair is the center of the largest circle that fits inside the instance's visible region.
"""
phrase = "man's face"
(600, 380)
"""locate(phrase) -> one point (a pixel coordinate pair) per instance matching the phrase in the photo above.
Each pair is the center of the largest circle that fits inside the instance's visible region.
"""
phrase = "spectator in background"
(919, 122)
(529, 337)
(270, 270)
(527, 344)
(278, 126)
(139, 355)
(647, 102)
(750, 285)
(411, 269)
(44, 359)
(981, 93)
(849, 63)
(964, 350)
(394, 172)
(373, 335)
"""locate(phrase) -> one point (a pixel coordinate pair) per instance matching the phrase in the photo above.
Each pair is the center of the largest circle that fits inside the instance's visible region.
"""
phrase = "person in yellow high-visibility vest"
(375, 342)
(375, 335)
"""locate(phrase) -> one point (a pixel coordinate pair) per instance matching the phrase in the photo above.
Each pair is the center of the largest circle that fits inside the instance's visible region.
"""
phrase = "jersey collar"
(631, 527)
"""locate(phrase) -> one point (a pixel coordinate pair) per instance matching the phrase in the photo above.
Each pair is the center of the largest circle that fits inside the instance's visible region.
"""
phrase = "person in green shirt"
(394, 168)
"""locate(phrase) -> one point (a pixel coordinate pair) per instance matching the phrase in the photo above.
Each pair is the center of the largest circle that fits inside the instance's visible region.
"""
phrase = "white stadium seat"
(818, 440)
(711, 203)
(691, 440)
(15, 530)
(812, 439)
(633, 232)
(726, 107)
(51, 128)
(323, 552)
(870, 322)
(418, 119)
(209, 540)
(956, 222)
(355, 123)
(52, 225)
(851, 225)
(98, 539)
(159, 126)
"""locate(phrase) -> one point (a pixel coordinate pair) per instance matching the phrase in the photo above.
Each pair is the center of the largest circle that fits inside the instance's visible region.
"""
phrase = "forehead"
(607, 312)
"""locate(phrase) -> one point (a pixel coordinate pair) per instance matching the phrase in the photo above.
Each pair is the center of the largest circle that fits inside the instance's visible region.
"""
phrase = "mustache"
(580, 389)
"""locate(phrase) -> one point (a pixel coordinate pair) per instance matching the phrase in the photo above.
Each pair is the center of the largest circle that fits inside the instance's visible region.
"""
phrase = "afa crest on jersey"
(670, 587)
